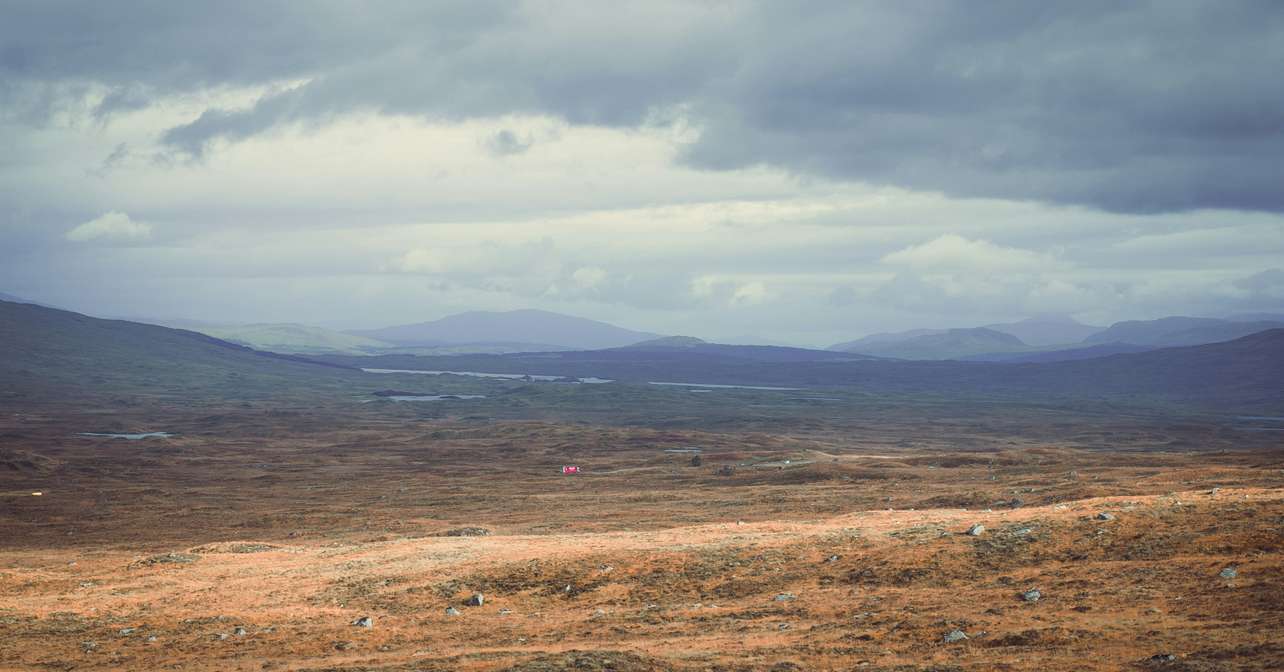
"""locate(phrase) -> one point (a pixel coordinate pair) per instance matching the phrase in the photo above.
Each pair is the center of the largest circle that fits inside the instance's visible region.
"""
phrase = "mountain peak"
(670, 342)
(527, 325)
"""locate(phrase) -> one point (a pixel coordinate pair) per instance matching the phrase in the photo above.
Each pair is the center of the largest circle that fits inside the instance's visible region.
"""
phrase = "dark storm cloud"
(1132, 107)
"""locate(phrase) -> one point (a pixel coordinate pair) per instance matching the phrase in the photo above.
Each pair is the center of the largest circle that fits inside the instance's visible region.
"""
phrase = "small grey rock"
(126, 631)
(221, 636)
(1163, 658)
(240, 632)
(955, 636)
(832, 558)
(451, 611)
(1229, 573)
(976, 530)
(1031, 595)
(783, 626)
(785, 597)
(505, 612)
(1105, 515)
(364, 622)
(477, 600)
(151, 638)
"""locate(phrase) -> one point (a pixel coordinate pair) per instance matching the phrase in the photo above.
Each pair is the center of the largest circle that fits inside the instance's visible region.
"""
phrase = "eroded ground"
(254, 539)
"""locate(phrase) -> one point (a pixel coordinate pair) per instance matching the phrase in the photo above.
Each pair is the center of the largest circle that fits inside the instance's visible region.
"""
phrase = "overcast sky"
(802, 172)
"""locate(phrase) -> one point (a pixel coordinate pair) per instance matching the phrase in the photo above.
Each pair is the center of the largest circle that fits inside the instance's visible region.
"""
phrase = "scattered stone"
(783, 626)
(1031, 595)
(240, 632)
(1214, 491)
(505, 612)
(976, 530)
(451, 611)
(342, 646)
(785, 597)
(955, 636)
(1163, 658)
(151, 638)
(567, 589)
(123, 632)
(1229, 573)
(220, 636)
(477, 600)
(598, 613)
(88, 646)
(364, 622)
(466, 532)
(168, 559)
(832, 558)
(1105, 515)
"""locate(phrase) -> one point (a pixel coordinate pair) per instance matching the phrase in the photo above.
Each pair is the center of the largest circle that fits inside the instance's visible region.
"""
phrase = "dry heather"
(258, 549)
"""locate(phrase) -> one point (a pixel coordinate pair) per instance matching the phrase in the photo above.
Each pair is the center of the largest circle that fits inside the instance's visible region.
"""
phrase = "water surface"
(729, 387)
(506, 376)
(131, 437)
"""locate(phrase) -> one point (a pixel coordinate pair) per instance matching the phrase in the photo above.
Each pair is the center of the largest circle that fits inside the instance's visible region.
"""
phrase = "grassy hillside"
(951, 344)
(47, 353)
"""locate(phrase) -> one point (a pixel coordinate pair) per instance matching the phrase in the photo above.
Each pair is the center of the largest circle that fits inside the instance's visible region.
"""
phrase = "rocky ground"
(251, 545)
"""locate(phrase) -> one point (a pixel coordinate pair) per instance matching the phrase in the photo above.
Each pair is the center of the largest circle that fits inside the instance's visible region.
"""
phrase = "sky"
(792, 172)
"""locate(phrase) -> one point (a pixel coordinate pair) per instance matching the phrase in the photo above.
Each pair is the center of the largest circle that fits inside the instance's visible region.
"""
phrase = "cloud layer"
(797, 171)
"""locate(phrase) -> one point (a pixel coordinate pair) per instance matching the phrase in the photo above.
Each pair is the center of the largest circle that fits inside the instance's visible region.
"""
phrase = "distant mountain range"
(1046, 330)
(294, 338)
(1004, 342)
(947, 344)
(1240, 375)
(537, 327)
(55, 355)
(1178, 331)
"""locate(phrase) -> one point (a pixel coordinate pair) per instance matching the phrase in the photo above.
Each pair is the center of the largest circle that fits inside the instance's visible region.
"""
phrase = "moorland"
(872, 514)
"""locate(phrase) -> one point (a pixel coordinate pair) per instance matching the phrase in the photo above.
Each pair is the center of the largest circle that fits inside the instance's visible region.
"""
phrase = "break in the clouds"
(791, 171)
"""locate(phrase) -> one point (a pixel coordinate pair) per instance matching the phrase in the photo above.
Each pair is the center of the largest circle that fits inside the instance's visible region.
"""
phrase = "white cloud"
(112, 226)
(952, 252)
